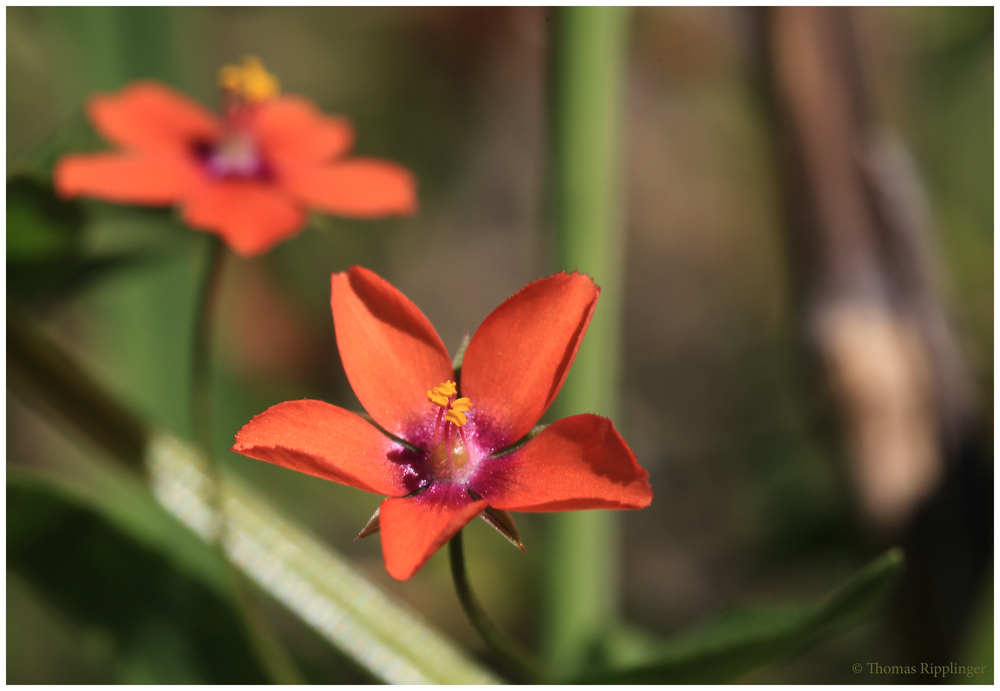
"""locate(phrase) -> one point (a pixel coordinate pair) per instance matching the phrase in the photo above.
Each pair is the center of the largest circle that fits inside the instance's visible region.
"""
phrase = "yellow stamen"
(441, 393)
(249, 80)
(455, 410)
(456, 417)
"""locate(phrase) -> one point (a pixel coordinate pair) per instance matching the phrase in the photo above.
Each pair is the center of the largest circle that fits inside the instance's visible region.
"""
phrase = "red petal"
(127, 179)
(323, 440)
(250, 215)
(391, 353)
(291, 132)
(415, 528)
(579, 462)
(519, 356)
(357, 187)
(150, 116)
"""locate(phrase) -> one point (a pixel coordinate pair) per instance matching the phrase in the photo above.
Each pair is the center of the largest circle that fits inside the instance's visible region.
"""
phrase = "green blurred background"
(753, 500)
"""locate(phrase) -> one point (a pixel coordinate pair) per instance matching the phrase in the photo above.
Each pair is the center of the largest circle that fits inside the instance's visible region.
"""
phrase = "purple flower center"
(448, 453)
(234, 155)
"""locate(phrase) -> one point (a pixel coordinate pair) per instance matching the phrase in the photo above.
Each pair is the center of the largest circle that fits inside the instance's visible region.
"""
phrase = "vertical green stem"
(120, 43)
(201, 399)
(273, 657)
(589, 55)
(517, 658)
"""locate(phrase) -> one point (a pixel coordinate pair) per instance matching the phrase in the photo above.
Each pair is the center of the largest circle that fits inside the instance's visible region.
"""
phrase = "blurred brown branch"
(863, 245)
(874, 311)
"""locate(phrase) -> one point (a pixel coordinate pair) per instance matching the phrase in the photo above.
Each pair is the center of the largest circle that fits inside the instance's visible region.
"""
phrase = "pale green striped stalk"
(380, 634)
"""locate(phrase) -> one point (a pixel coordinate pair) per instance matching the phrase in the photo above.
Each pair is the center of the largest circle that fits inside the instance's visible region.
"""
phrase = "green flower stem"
(274, 659)
(589, 51)
(201, 393)
(525, 668)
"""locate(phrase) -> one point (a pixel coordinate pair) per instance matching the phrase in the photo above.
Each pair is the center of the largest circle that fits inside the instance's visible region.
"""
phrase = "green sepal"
(371, 527)
(520, 442)
(503, 522)
(456, 362)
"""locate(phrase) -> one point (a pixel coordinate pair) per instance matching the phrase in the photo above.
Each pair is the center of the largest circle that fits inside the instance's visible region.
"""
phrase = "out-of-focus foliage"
(166, 626)
(742, 641)
(40, 226)
(752, 502)
(47, 259)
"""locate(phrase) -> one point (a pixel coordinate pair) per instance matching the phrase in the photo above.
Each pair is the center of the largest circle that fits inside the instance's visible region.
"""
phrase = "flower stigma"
(449, 452)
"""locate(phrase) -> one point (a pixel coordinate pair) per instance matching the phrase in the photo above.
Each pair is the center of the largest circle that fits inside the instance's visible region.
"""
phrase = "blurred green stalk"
(589, 54)
(118, 44)
(273, 657)
(122, 44)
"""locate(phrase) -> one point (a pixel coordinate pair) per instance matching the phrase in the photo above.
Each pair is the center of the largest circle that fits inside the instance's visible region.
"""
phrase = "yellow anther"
(455, 410)
(441, 394)
(456, 417)
(249, 80)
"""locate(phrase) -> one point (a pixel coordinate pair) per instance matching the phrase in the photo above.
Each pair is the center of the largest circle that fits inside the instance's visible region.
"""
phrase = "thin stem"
(271, 654)
(589, 59)
(201, 398)
(519, 659)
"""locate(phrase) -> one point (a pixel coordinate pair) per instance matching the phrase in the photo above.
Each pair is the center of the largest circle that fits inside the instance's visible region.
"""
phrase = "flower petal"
(323, 440)
(391, 353)
(519, 356)
(357, 187)
(251, 216)
(149, 116)
(414, 528)
(292, 132)
(155, 179)
(579, 462)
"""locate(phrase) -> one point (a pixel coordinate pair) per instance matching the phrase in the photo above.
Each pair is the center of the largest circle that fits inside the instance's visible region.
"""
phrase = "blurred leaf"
(747, 639)
(40, 226)
(977, 647)
(45, 253)
(56, 279)
(104, 570)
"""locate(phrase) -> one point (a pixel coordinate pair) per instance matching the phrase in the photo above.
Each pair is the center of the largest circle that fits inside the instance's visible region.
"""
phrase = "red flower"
(248, 177)
(454, 464)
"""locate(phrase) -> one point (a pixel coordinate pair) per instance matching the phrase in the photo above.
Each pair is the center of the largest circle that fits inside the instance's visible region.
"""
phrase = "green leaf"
(745, 640)
(39, 224)
(46, 258)
(105, 570)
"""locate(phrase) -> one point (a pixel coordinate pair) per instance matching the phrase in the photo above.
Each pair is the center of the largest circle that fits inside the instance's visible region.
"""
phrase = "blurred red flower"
(457, 460)
(248, 176)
